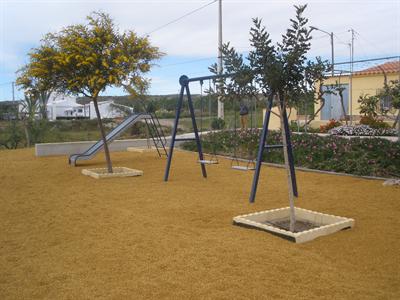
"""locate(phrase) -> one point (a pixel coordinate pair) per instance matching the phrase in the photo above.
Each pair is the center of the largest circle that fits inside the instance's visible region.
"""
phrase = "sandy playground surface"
(67, 236)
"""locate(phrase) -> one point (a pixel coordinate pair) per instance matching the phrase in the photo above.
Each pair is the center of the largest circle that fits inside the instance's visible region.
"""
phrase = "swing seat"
(243, 168)
(208, 162)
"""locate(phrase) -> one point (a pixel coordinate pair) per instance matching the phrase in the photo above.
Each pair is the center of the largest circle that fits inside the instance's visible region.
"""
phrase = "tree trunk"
(398, 127)
(44, 99)
(28, 139)
(322, 101)
(289, 176)
(343, 108)
(103, 136)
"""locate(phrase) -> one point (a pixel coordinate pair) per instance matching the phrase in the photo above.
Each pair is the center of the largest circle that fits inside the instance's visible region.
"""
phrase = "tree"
(90, 57)
(38, 76)
(11, 136)
(279, 71)
(339, 89)
(315, 80)
(28, 113)
(391, 90)
(369, 106)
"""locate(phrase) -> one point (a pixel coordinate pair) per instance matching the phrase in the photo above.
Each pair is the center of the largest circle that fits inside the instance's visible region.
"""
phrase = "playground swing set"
(269, 220)
(212, 158)
(252, 164)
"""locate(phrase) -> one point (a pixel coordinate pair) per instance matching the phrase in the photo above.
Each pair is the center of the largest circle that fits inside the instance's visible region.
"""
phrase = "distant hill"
(126, 100)
(8, 103)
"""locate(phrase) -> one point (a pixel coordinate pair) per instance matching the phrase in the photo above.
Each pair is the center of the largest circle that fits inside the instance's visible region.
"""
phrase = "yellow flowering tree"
(93, 56)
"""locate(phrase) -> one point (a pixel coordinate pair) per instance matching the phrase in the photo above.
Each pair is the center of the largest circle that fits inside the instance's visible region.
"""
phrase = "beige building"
(368, 81)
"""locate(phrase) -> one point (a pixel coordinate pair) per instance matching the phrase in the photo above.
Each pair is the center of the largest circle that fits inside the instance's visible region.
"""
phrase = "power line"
(366, 60)
(180, 18)
(369, 42)
(197, 60)
(340, 40)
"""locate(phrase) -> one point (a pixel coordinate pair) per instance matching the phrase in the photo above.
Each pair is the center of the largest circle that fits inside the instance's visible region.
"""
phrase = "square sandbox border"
(328, 224)
(118, 172)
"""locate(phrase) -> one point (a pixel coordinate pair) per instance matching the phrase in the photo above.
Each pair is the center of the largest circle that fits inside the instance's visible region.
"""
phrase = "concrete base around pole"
(328, 224)
(100, 173)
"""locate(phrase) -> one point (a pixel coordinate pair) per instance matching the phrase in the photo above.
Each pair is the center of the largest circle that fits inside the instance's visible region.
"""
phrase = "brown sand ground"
(67, 236)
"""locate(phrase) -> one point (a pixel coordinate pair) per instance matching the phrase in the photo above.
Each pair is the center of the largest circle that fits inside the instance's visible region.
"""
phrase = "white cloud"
(24, 23)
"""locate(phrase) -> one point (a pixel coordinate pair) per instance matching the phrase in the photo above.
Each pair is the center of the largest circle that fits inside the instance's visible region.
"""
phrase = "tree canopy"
(38, 76)
(90, 57)
(279, 69)
(85, 59)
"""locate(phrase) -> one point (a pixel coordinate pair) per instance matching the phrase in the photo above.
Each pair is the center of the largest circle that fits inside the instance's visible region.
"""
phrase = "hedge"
(366, 157)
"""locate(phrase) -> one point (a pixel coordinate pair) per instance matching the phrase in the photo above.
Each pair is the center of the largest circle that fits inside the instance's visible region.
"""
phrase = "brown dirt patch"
(299, 225)
(66, 236)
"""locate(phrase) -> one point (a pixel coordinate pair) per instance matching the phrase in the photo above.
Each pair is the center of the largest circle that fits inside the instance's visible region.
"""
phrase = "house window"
(385, 100)
(80, 110)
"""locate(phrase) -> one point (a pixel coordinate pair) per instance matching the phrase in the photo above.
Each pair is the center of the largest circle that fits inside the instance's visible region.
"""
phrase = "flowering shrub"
(218, 123)
(362, 130)
(331, 124)
(367, 157)
(373, 122)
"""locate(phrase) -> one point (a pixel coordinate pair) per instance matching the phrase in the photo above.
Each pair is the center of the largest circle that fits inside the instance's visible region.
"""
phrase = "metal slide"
(112, 135)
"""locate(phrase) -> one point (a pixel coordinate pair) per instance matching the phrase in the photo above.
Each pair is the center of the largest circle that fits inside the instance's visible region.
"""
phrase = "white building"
(62, 106)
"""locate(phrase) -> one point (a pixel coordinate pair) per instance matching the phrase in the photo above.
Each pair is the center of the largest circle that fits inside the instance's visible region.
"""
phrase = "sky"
(190, 44)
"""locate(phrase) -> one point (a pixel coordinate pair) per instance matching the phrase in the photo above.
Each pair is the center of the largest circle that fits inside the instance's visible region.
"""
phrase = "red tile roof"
(388, 67)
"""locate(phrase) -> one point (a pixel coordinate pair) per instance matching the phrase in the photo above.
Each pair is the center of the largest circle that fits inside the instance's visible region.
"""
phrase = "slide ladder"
(157, 135)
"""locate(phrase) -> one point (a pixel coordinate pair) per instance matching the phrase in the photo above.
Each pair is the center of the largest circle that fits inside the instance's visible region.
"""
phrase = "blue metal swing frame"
(184, 81)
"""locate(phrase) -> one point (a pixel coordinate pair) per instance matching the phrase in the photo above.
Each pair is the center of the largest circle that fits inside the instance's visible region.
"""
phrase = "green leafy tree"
(90, 57)
(391, 90)
(315, 90)
(278, 70)
(11, 136)
(27, 115)
(369, 106)
(38, 76)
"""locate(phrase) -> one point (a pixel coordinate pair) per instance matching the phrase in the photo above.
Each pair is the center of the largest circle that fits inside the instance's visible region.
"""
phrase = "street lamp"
(331, 35)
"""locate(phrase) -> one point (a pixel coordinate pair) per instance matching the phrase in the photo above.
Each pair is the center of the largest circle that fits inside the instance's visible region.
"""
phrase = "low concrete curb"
(68, 148)
(51, 149)
(389, 138)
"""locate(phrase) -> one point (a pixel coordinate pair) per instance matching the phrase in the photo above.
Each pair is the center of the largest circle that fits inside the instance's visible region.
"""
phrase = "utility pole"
(351, 75)
(219, 68)
(13, 98)
(13, 95)
(333, 55)
(332, 47)
(398, 114)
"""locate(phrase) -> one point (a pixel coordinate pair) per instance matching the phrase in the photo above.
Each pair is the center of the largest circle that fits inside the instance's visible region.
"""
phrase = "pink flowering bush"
(367, 157)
